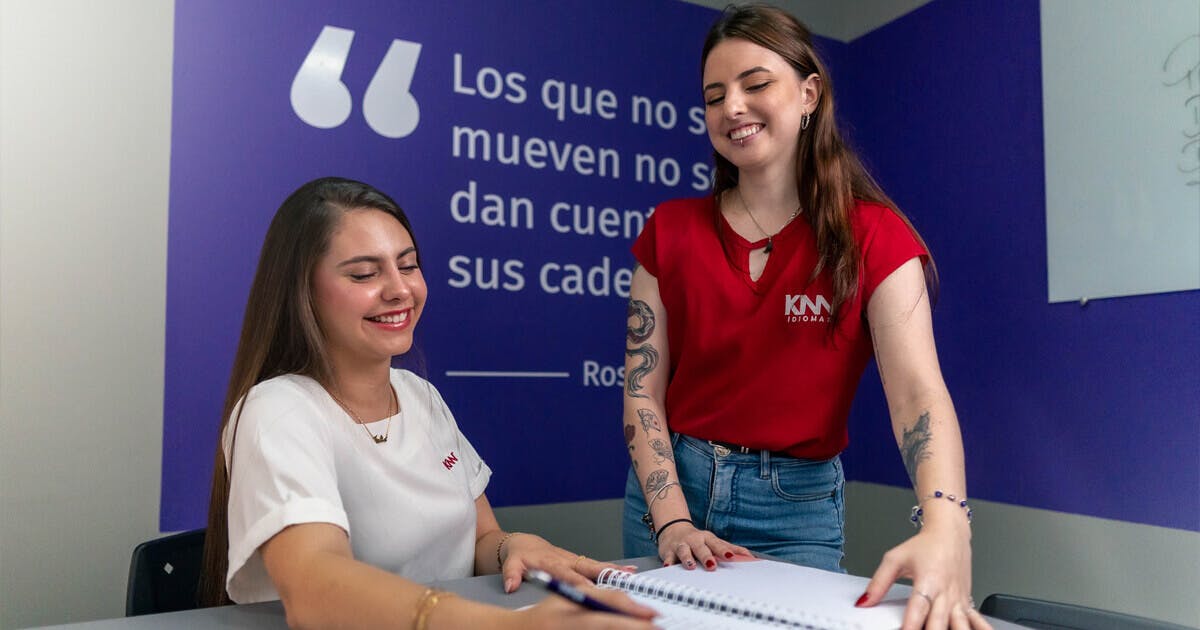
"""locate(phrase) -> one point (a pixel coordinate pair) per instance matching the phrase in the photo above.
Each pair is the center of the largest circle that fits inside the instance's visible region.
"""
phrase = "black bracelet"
(655, 535)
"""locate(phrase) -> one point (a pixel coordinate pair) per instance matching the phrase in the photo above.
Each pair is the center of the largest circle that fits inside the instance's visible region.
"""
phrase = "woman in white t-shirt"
(340, 482)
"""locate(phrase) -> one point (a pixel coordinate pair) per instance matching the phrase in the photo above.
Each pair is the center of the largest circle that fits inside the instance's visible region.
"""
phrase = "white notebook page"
(820, 598)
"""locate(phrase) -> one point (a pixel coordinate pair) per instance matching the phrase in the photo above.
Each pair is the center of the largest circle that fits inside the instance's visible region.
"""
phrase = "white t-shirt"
(407, 505)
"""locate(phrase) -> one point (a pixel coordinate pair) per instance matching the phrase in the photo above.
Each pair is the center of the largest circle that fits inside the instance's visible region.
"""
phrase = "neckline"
(741, 247)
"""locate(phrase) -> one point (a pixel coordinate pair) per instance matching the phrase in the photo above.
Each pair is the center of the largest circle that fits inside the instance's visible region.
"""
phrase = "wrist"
(677, 523)
(942, 510)
(426, 607)
(502, 548)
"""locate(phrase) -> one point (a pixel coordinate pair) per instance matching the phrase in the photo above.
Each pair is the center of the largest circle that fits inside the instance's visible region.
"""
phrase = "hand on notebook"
(530, 551)
(557, 612)
(938, 561)
(685, 544)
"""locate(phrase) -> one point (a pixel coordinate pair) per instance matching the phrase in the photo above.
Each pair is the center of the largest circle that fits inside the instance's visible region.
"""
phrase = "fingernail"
(508, 585)
(630, 568)
(861, 601)
(666, 564)
(691, 565)
(728, 554)
(710, 563)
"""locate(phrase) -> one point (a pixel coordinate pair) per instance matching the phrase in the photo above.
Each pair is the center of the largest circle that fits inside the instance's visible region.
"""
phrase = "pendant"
(770, 246)
(379, 439)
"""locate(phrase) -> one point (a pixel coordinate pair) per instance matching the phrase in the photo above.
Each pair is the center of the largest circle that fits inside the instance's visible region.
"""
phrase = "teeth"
(744, 132)
(390, 319)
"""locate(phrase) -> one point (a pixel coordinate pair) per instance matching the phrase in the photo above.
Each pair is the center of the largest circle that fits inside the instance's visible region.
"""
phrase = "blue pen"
(552, 584)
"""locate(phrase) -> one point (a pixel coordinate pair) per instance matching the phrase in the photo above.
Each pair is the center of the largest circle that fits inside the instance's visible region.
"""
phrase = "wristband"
(655, 536)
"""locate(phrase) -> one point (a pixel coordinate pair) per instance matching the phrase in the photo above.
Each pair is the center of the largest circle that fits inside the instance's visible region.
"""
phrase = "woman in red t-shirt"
(752, 315)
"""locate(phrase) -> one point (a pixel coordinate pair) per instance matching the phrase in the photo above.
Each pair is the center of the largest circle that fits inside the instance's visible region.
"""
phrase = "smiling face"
(754, 101)
(368, 290)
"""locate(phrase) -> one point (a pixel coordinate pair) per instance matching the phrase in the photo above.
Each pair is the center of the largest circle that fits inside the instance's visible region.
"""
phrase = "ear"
(810, 91)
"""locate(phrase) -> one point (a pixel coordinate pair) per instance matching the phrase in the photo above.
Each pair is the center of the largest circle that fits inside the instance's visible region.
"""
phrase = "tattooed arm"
(938, 557)
(647, 360)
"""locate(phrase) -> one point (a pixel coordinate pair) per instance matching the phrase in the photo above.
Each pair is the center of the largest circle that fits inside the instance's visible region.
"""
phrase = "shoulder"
(866, 215)
(405, 380)
(289, 395)
(684, 209)
(412, 388)
(285, 388)
(872, 221)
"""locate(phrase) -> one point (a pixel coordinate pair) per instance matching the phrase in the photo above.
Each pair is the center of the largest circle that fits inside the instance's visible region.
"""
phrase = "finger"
(959, 619)
(669, 552)
(920, 604)
(591, 568)
(563, 571)
(684, 552)
(704, 555)
(881, 581)
(726, 551)
(511, 572)
(978, 621)
(939, 616)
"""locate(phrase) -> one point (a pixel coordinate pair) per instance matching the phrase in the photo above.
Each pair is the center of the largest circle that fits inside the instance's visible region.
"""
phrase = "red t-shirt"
(752, 362)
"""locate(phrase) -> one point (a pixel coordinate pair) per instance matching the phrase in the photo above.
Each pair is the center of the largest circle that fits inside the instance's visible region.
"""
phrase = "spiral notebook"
(758, 594)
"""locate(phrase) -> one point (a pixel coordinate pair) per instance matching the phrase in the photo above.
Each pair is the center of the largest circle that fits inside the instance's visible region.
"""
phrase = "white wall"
(85, 91)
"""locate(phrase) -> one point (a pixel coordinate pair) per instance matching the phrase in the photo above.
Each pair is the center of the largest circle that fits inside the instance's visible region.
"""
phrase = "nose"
(734, 104)
(395, 286)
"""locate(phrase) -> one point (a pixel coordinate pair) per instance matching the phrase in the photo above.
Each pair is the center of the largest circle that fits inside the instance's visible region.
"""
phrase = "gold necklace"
(770, 237)
(393, 409)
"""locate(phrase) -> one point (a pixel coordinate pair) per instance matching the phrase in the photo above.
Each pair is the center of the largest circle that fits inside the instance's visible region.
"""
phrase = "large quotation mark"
(320, 98)
(388, 106)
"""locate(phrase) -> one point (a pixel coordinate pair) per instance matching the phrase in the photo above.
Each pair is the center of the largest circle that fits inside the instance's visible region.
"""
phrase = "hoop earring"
(804, 121)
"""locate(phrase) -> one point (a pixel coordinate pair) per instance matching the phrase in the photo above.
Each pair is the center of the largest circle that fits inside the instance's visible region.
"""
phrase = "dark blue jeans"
(789, 508)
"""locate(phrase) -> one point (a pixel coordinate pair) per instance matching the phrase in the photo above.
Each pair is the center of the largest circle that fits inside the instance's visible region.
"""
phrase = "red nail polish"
(710, 564)
(861, 600)
(728, 554)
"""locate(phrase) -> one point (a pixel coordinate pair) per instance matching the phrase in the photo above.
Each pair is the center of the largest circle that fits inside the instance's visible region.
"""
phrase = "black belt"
(725, 448)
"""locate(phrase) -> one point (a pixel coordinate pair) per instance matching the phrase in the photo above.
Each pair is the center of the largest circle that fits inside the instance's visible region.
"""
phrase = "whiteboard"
(1121, 98)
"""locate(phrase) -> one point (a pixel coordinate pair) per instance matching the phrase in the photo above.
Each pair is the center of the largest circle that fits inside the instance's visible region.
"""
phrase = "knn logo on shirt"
(450, 461)
(803, 309)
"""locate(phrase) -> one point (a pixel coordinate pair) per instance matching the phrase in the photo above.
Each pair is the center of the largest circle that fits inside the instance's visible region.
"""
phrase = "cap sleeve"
(645, 248)
(889, 244)
(282, 473)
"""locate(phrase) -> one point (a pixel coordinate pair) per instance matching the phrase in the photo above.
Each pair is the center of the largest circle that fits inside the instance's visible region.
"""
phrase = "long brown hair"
(280, 333)
(829, 175)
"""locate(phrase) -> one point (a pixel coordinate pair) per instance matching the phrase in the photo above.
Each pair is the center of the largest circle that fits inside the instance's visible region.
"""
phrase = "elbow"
(298, 615)
(301, 610)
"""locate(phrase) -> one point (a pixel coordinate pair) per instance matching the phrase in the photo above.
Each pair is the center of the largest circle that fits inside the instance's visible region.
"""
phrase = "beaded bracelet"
(918, 513)
(425, 605)
(500, 545)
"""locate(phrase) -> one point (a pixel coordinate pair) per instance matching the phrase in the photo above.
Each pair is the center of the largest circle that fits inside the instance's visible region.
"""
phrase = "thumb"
(512, 572)
(881, 581)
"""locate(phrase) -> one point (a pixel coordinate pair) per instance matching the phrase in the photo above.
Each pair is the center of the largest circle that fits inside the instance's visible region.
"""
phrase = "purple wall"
(1091, 410)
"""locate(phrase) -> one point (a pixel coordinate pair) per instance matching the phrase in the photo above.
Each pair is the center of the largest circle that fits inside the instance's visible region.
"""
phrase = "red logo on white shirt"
(450, 461)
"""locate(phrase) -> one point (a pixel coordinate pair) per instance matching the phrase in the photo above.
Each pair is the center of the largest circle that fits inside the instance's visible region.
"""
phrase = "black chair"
(1044, 615)
(164, 574)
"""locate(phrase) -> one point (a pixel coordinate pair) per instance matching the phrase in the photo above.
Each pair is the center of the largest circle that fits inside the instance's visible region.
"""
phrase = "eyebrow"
(743, 75)
(373, 259)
